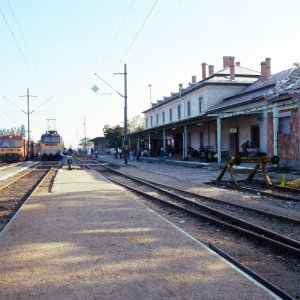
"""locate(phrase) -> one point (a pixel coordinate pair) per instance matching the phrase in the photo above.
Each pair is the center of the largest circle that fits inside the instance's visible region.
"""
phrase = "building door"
(255, 141)
(234, 142)
(201, 143)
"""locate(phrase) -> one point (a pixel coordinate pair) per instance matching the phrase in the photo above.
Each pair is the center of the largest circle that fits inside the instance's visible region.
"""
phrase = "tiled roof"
(266, 83)
(238, 70)
(242, 76)
(253, 92)
(288, 85)
(238, 100)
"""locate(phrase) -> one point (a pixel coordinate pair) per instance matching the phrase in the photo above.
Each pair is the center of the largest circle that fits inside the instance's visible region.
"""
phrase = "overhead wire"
(25, 42)
(116, 34)
(20, 50)
(10, 101)
(137, 33)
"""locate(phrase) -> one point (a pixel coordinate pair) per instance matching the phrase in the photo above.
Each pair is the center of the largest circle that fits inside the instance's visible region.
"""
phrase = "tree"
(114, 135)
(23, 131)
(84, 142)
(136, 123)
(13, 131)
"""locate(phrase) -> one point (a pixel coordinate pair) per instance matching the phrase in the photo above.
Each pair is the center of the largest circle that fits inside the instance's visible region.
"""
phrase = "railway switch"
(259, 161)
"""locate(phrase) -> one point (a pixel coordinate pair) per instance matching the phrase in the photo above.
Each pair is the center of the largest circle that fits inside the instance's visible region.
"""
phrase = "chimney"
(231, 66)
(210, 70)
(180, 86)
(194, 79)
(268, 67)
(238, 63)
(226, 61)
(263, 75)
(203, 71)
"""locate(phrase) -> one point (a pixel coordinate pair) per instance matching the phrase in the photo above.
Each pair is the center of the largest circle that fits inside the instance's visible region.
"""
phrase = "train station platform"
(13, 169)
(90, 239)
(289, 174)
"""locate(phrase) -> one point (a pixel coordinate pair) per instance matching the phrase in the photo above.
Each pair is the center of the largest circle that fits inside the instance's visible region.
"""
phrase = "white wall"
(210, 95)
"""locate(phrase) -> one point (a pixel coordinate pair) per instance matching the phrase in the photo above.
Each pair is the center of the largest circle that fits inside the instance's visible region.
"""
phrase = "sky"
(55, 47)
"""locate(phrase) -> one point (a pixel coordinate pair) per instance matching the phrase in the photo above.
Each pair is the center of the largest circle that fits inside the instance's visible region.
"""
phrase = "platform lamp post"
(125, 109)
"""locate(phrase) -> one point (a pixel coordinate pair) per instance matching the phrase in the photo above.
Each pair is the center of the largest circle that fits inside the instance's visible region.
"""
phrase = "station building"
(213, 117)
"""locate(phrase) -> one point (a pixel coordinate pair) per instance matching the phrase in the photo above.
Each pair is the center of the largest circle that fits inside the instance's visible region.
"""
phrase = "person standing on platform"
(245, 147)
(138, 154)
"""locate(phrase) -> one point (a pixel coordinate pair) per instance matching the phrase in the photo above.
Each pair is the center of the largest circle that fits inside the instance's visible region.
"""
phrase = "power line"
(24, 40)
(137, 33)
(41, 104)
(10, 101)
(116, 34)
(20, 50)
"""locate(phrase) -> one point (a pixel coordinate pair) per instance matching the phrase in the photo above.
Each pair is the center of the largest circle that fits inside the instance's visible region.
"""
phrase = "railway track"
(233, 217)
(6, 165)
(176, 199)
(257, 187)
(17, 189)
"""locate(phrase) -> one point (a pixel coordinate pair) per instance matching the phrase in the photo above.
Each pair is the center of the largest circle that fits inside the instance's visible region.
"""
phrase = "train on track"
(51, 145)
(34, 149)
(13, 148)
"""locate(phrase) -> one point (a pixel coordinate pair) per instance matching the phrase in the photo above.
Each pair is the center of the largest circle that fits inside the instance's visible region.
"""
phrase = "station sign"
(233, 130)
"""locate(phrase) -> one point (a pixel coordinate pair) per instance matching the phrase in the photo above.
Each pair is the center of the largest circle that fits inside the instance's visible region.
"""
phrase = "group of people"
(131, 154)
(134, 153)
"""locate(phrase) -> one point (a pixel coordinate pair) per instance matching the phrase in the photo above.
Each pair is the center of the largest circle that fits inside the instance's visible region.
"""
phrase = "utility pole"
(125, 113)
(150, 86)
(125, 108)
(84, 127)
(77, 139)
(28, 123)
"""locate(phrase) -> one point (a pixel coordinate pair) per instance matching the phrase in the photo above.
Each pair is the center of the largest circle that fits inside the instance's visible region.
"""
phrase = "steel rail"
(282, 242)
(34, 188)
(267, 194)
(254, 191)
(276, 290)
(7, 166)
(18, 178)
(258, 211)
(268, 285)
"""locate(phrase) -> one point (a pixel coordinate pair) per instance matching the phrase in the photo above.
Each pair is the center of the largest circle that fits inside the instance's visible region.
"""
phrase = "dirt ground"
(89, 239)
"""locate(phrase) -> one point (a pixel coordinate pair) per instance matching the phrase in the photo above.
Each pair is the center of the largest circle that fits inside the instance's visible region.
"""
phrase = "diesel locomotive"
(13, 148)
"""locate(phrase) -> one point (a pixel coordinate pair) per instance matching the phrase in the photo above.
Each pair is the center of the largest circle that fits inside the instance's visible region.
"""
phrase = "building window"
(163, 117)
(146, 122)
(200, 105)
(151, 121)
(171, 116)
(284, 125)
(156, 119)
(189, 108)
(179, 112)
